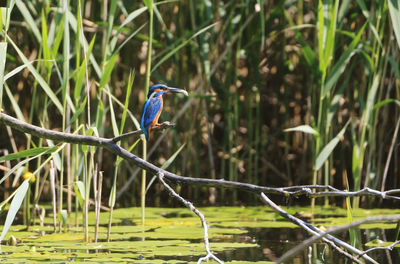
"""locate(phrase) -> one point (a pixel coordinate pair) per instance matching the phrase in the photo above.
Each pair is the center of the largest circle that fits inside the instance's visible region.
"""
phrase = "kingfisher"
(153, 106)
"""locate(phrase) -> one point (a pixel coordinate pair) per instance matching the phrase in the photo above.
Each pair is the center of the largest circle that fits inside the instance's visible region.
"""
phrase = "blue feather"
(150, 110)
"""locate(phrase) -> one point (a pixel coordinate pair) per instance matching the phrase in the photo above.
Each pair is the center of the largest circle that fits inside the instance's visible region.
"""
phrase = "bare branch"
(291, 253)
(295, 191)
(193, 209)
(109, 144)
(161, 126)
(390, 247)
(113, 147)
(331, 240)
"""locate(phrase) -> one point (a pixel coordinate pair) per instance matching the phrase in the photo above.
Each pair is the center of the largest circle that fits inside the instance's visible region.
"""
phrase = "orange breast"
(155, 121)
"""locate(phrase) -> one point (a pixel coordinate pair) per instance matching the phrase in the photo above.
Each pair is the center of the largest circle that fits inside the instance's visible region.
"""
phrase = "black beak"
(177, 90)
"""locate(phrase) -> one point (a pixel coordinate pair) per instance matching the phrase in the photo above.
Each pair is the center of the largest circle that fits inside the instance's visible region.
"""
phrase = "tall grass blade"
(46, 50)
(59, 36)
(385, 102)
(321, 32)
(79, 189)
(365, 12)
(16, 167)
(370, 101)
(113, 119)
(166, 165)
(14, 104)
(28, 153)
(107, 71)
(341, 64)
(127, 99)
(149, 4)
(115, 100)
(17, 70)
(6, 14)
(395, 67)
(183, 44)
(82, 40)
(78, 111)
(99, 114)
(396, 237)
(37, 76)
(331, 32)
(14, 207)
(308, 53)
(127, 20)
(394, 9)
(327, 150)
(82, 73)
(29, 19)
(3, 53)
(1, 19)
(352, 231)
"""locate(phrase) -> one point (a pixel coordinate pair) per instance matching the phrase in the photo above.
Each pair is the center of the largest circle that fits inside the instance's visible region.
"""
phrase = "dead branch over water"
(312, 191)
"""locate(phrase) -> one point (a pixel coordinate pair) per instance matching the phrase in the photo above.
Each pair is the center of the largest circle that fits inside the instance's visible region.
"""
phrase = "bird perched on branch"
(153, 106)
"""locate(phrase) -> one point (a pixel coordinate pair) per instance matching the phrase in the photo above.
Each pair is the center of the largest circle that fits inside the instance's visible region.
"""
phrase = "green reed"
(252, 69)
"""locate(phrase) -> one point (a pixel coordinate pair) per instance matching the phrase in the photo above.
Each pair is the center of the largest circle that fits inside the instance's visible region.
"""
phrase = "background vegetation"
(252, 68)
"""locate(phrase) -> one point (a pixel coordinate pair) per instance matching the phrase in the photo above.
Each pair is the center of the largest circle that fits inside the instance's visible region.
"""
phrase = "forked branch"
(193, 209)
(312, 191)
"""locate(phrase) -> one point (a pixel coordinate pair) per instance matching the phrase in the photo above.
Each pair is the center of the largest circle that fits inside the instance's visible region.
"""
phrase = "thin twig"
(109, 144)
(198, 213)
(390, 247)
(291, 253)
(331, 240)
(287, 191)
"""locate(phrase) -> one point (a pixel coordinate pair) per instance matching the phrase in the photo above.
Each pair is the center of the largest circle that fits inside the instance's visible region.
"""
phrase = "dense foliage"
(252, 70)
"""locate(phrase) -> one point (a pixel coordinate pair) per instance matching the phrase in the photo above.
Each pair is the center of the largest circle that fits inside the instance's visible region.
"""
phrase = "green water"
(237, 235)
